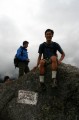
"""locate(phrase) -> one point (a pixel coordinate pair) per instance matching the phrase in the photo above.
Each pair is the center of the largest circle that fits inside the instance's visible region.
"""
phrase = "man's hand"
(28, 60)
(62, 57)
(59, 62)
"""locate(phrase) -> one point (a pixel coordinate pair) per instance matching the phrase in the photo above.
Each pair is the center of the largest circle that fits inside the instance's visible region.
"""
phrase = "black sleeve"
(59, 48)
(40, 50)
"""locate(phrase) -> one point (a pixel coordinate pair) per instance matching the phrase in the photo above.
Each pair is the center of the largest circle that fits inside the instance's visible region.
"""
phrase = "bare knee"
(42, 62)
(54, 59)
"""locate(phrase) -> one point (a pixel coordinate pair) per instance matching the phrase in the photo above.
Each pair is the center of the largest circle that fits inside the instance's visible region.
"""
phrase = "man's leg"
(26, 69)
(54, 69)
(21, 68)
(42, 72)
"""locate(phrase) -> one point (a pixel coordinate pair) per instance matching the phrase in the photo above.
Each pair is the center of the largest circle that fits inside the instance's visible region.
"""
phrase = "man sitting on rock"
(49, 51)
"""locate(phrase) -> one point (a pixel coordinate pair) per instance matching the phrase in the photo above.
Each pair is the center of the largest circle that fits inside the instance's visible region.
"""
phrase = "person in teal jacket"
(22, 56)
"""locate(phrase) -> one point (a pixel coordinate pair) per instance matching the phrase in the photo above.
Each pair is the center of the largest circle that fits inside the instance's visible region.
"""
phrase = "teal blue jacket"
(22, 54)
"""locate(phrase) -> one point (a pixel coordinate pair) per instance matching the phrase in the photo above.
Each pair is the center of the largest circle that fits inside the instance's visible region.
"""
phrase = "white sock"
(41, 77)
(54, 74)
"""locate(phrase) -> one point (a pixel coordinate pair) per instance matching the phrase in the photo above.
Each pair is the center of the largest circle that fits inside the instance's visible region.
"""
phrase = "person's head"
(49, 34)
(25, 44)
(6, 78)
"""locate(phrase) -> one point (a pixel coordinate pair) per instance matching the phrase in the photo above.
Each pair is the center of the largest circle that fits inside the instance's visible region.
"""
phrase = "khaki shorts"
(47, 61)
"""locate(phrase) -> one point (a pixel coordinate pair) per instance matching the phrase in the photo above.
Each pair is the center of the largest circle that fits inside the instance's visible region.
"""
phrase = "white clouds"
(59, 13)
(27, 20)
(20, 11)
(17, 23)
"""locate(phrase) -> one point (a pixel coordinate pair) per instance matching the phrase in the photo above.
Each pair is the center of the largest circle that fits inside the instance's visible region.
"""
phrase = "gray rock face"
(61, 103)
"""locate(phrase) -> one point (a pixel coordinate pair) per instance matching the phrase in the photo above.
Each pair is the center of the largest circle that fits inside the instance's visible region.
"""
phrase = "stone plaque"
(27, 97)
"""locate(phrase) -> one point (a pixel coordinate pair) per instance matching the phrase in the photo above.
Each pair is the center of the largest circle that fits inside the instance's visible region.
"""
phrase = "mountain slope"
(61, 103)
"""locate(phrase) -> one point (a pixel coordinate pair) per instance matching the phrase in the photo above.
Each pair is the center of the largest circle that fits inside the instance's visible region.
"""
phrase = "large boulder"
(61, 103)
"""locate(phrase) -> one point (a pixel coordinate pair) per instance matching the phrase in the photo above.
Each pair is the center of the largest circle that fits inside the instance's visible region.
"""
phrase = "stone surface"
(61, 103)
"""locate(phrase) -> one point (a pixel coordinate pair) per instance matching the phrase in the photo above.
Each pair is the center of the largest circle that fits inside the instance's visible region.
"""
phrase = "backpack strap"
(46, 46)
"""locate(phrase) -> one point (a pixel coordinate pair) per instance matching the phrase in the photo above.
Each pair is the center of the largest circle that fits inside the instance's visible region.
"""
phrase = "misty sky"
(28, 19)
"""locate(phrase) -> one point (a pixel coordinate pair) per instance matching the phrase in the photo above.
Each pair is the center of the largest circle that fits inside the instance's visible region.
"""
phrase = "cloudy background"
(27, 20)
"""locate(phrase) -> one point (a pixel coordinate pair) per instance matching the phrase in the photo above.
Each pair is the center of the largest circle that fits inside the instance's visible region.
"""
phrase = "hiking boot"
(54, 82)
(43, 86)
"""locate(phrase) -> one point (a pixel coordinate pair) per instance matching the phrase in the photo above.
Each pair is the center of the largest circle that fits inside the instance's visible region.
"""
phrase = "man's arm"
(61, 58)
(38, 60)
